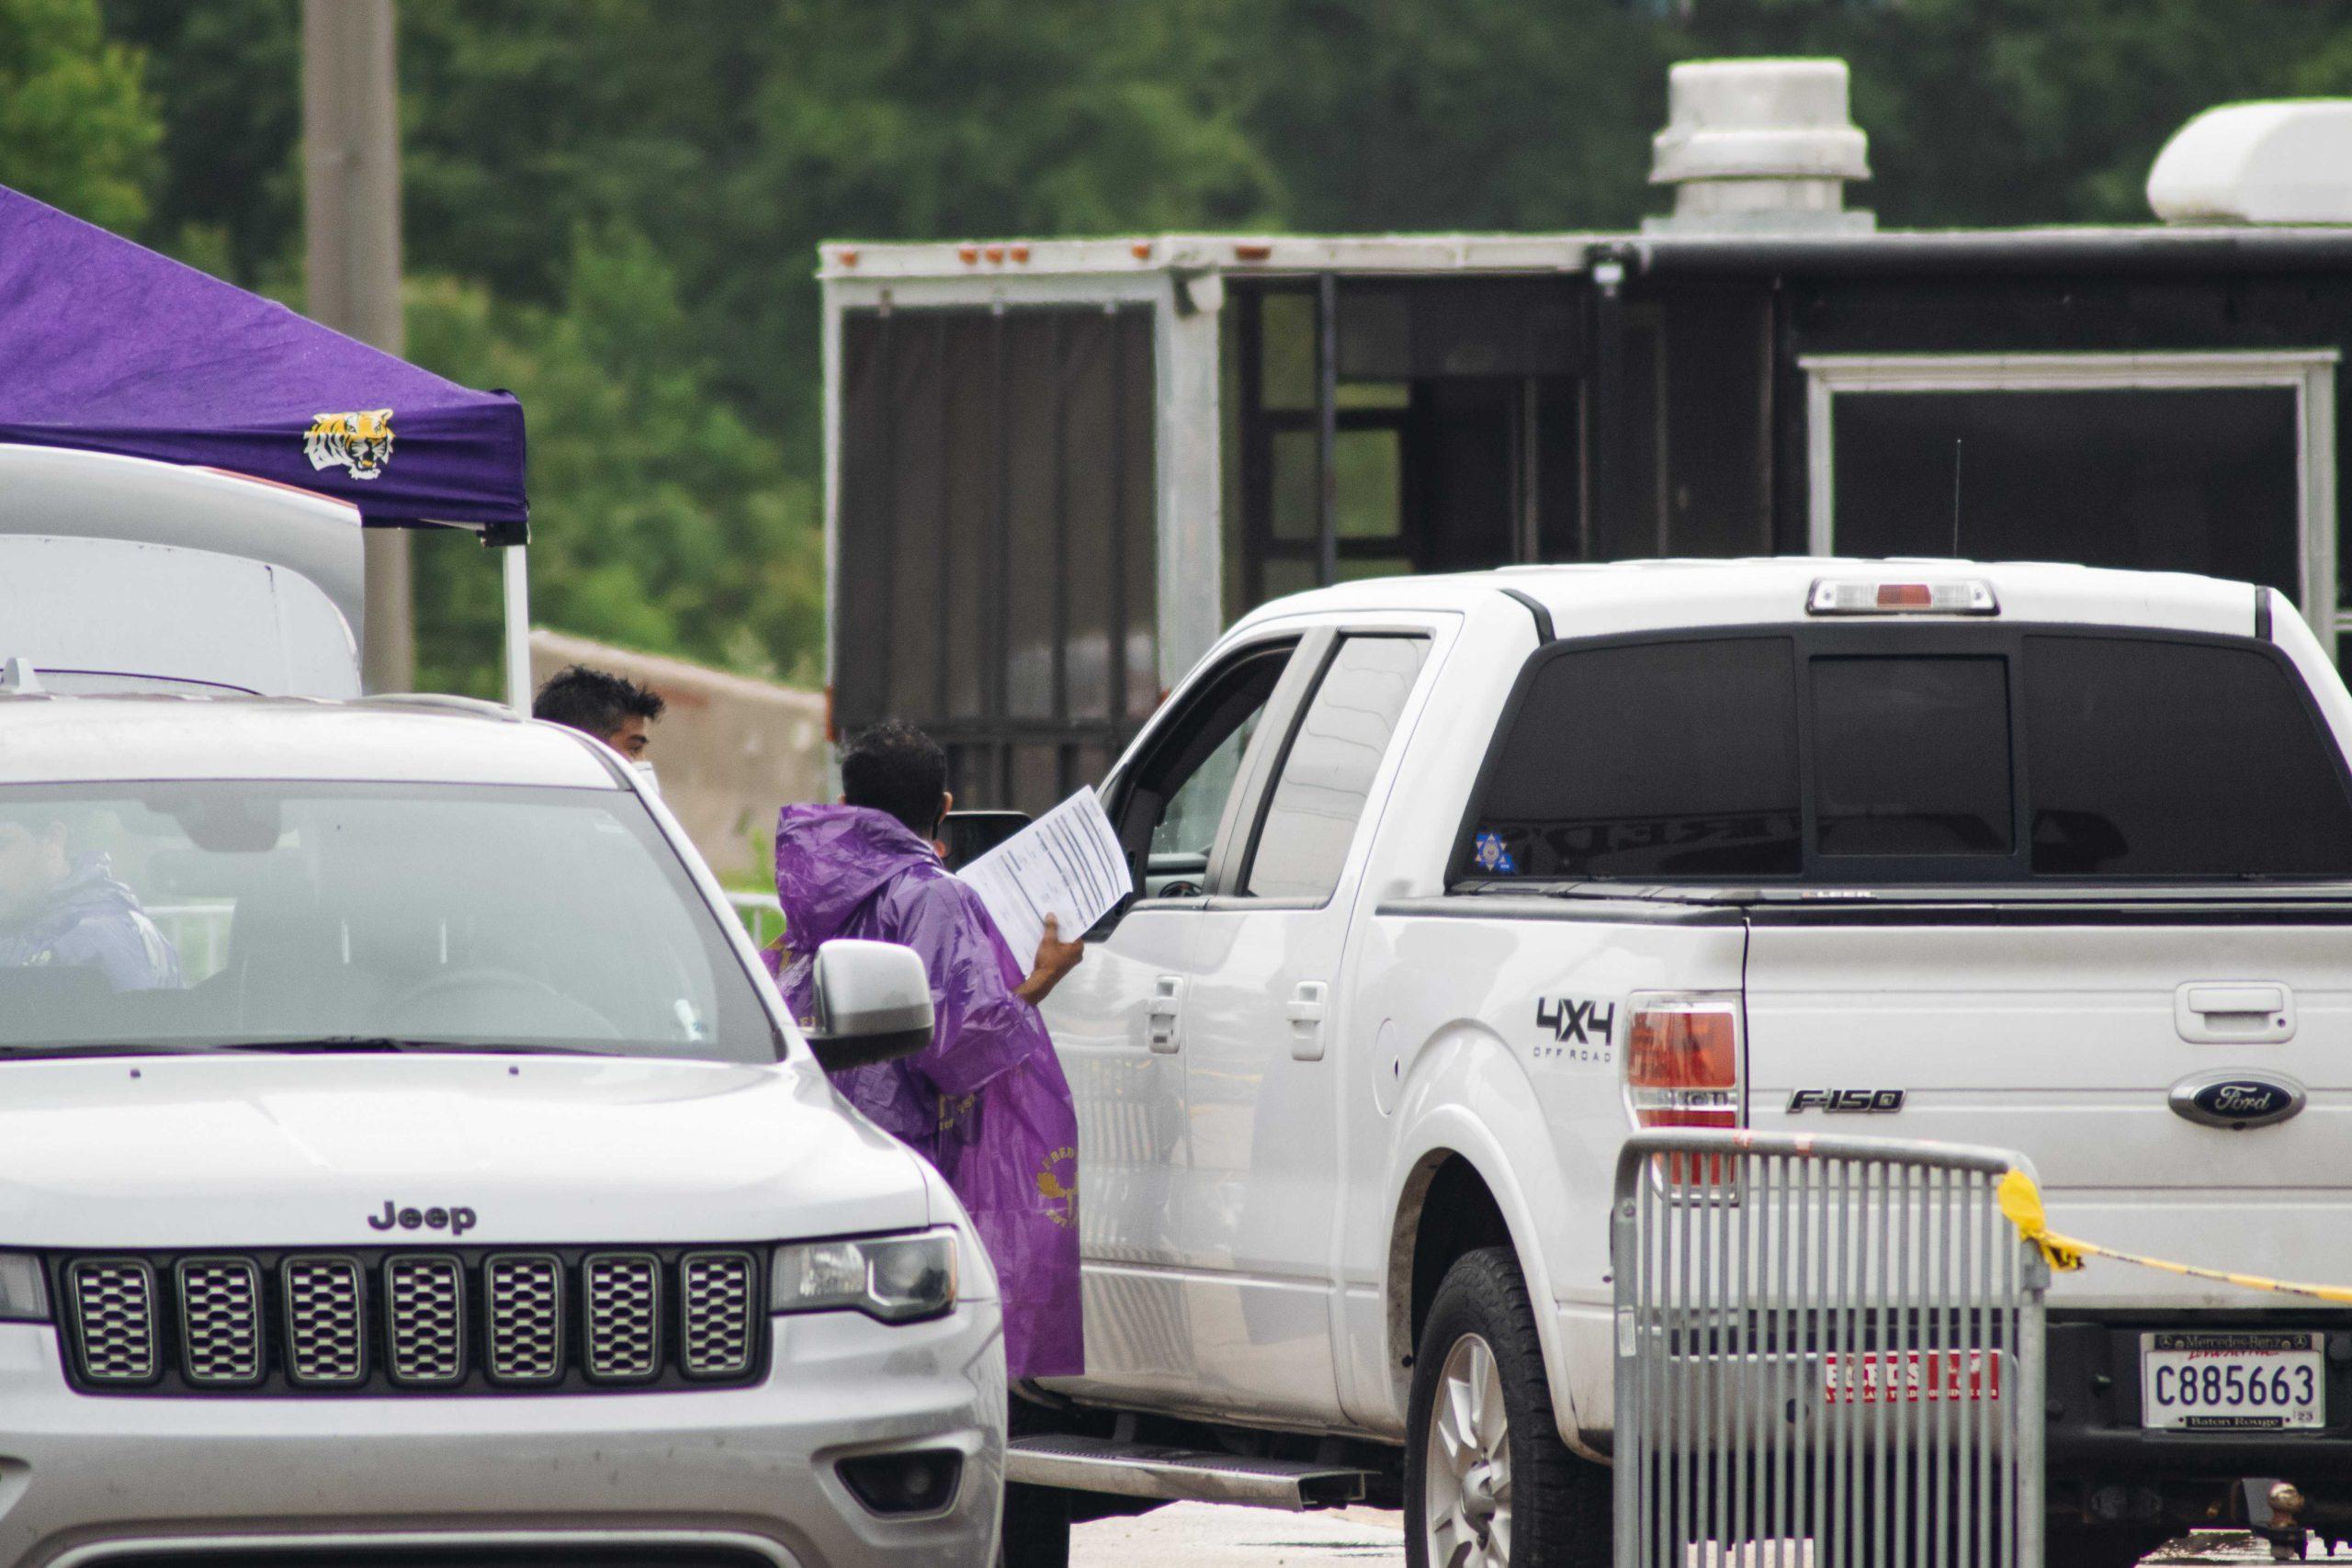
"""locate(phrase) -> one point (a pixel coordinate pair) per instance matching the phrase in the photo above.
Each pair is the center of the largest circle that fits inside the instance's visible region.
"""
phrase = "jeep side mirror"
(873, 1001)
(968, 834)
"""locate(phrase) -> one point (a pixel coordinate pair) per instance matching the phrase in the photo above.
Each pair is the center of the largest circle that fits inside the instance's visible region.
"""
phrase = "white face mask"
(651, 780)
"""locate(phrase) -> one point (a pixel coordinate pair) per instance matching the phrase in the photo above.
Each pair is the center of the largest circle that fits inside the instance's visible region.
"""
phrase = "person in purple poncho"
(986, 1103)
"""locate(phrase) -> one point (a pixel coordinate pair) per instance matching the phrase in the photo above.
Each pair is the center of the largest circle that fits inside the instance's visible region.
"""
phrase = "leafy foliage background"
(613, 205)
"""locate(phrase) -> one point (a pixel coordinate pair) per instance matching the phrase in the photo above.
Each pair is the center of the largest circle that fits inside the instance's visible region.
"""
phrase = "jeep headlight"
(897, 1278)
(24, 1291)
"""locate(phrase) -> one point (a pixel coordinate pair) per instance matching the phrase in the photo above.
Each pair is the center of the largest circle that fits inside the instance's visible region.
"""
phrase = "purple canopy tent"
(107, 346)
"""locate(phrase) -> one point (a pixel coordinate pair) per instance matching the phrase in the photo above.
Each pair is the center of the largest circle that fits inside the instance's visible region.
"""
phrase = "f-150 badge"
(1845, 1099)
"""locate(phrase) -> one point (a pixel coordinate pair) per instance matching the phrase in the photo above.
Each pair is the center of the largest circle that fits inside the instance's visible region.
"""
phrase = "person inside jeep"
(63, 909)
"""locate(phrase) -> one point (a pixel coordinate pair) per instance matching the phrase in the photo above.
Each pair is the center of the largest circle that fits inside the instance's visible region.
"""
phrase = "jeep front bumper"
(740, 1475)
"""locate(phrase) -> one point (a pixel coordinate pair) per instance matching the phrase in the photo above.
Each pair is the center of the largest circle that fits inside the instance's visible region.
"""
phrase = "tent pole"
(514, 567)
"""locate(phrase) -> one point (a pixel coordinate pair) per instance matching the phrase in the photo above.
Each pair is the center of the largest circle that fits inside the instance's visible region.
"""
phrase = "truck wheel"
(1487, 1482)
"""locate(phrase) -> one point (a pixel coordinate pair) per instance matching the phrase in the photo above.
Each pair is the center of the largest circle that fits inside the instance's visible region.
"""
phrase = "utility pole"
(351, 198)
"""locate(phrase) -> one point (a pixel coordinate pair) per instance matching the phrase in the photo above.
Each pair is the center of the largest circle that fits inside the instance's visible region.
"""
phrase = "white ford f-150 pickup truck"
(405, 1160)
(1447, 884)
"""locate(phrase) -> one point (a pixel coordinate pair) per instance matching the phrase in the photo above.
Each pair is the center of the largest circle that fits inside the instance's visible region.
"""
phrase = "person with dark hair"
(613, 708)
(986, 1103)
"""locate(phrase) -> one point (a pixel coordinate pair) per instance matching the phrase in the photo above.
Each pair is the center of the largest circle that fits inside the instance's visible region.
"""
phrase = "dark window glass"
(2163, 758)
(1326, 780)
(1911, 756)
(1653, 760)
(2201, 480)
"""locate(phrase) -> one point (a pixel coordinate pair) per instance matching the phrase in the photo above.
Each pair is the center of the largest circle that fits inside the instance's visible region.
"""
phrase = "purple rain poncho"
(986, 1103)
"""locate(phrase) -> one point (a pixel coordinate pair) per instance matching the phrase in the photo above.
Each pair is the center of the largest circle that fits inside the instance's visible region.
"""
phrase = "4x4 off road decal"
(1575, 1028)
(1846, 1100)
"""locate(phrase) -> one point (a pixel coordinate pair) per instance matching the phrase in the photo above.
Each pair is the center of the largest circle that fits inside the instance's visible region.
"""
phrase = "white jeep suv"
(405, 1159)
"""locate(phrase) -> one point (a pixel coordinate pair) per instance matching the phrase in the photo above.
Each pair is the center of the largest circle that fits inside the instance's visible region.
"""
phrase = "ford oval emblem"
(2237, 1100)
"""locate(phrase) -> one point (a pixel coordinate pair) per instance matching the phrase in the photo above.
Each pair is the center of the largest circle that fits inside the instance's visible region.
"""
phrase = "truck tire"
(1487, 1482)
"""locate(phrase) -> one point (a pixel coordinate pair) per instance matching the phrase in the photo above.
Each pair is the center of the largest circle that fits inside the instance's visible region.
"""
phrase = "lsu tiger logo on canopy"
(360, 441)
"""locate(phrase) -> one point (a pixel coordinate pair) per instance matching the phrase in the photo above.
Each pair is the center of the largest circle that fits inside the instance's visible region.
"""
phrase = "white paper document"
(1066, 865)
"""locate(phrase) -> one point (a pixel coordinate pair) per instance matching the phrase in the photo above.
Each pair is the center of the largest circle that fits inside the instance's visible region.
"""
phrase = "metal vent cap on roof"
(1758, 146)
(2285, 161)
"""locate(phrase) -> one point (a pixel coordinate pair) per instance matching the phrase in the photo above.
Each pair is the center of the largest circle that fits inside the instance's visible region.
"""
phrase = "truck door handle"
(1163, 1015)
(2236, 999)
(1306, 1012)
(2227, 1011)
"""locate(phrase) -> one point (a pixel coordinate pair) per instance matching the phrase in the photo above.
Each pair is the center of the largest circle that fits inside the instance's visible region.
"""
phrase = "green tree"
(227, 195)
(669, 360)
(660, 520)
(77, 129)
(1456, 113)
(2036, 111)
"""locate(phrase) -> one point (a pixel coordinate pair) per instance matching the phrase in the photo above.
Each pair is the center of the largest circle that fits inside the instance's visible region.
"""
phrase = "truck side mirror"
(872, 1002)
(968, 834)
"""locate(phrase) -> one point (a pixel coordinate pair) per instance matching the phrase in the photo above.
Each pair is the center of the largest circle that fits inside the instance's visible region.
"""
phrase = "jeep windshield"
(247, 915)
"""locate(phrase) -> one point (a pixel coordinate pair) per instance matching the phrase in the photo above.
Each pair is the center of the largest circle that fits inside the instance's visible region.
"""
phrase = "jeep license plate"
(2231, 1383)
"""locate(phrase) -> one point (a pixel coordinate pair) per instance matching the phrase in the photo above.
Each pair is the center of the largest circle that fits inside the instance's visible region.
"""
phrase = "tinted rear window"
(1654, 760)
(2135, 757)
(1911, 756)
(2165, 758)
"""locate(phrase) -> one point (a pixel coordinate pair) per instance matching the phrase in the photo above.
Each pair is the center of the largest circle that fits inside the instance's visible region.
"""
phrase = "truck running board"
(1180, 1476)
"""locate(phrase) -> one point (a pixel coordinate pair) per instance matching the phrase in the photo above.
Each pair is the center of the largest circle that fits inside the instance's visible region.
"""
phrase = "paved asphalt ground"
(1195, 1536)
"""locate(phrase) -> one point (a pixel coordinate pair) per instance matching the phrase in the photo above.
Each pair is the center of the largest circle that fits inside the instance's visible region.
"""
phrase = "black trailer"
(1057, 469)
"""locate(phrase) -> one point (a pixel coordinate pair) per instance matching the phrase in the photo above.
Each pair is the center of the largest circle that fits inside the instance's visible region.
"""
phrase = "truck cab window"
(1664, 759)
(2175, 759)
(1168, 819)
(1911, 756)
(1327, 773)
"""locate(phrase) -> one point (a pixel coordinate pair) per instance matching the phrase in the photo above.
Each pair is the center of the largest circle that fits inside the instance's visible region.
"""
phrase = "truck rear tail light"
(1683, 1066)
(1870, 596)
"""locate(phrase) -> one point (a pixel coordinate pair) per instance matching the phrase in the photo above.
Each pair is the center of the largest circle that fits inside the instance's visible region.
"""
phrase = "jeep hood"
(267, 1151)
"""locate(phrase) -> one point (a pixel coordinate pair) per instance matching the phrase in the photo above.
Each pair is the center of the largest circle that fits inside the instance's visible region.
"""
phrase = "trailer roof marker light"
(968, 254)
(1018, 252)
(1140, 250)
(1869, 596)
(1252, 251)
(846, 255)
(996, 253)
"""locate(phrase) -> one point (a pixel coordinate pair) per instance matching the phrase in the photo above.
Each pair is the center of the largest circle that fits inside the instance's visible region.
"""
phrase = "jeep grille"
(220, 1321)
(395, 1321)
(624, 1316)
(722, 1290)
(114, 1319)
(424, 1320)
(526, 1319)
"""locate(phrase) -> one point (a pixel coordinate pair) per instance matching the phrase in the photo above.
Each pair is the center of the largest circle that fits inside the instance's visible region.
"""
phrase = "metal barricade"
(1830, 1355)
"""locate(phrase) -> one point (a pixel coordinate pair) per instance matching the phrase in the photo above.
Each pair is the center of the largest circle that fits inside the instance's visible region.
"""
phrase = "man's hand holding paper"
(1066, 865)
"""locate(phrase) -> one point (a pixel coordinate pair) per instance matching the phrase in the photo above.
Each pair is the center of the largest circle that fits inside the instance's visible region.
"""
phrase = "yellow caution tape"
(2020, 1201)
